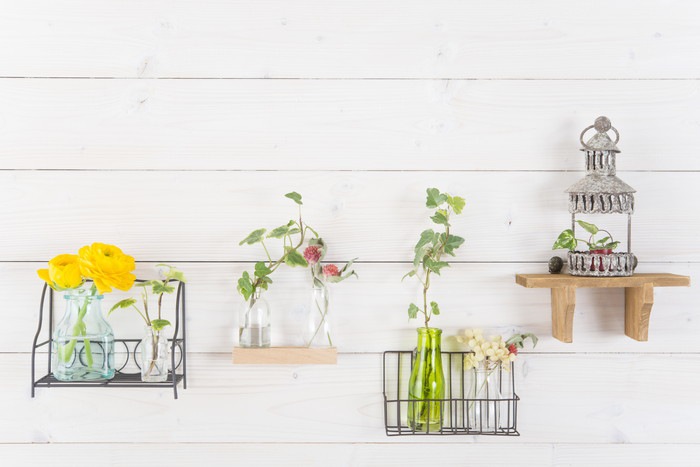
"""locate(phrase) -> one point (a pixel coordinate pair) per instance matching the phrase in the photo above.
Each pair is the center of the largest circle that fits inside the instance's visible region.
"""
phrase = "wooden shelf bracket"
(639, 298)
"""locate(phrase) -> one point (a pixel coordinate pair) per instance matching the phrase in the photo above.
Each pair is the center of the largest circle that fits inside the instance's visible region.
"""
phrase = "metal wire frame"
(457, 408)
(121, 379)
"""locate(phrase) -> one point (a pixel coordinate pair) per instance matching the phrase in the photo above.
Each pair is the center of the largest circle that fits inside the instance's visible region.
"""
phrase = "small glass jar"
(485, 399)
(155, 361)
(254, 323)
(426, 386)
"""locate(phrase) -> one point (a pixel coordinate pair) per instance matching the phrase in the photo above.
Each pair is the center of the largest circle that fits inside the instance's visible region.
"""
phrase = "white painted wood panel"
(334, 39)
(341, 125)
(579, 398)
(369, 314)
(378, 216)
(351, 455)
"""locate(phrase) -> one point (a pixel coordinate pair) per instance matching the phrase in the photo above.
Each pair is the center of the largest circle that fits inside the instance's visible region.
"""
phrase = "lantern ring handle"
(585, 146)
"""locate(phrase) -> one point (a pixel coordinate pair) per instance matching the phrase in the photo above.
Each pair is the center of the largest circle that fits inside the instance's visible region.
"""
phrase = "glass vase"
(83, 341)
(254, 323)
(485, 396)
(426, 386)
(318, 326)
(155, 351)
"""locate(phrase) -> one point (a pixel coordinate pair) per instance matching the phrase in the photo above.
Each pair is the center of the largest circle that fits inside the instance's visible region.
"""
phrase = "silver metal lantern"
(601, 191)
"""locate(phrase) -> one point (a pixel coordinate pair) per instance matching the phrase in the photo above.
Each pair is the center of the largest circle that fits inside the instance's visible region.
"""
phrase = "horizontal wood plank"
(331, 39)
(625, 401)
(341, 125)
(285, 356)
(377, 216)
(369, 314)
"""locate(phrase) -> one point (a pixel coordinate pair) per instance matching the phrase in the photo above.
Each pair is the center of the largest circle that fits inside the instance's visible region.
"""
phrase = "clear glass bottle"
(254, 322)
(426, 387)
(155, 361)
(83, 341)
(318, 326)
(485, 399)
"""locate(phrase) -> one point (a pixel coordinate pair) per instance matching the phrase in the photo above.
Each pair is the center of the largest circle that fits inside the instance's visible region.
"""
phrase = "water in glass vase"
(254, 323)
(426, 387)
(83, 342)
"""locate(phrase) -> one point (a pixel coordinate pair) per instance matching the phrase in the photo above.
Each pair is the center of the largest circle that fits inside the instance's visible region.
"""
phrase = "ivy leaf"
(145, 284)
(434, 308)
(261, 269)
(440, 217)
(279, 232)
(160, 287)
(159, 324)
(590, 228)
(452, 243)
(245, 286)
(413, 311)
(435, 266)
(457, 203)
(294, 196)
(410, 273)
(126, 303)
(426, 237)
(294, 258)
(566, 241)
(435, 198)
(254, 237)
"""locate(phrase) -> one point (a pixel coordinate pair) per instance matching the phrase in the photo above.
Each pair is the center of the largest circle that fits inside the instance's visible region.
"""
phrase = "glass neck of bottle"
(429, 338)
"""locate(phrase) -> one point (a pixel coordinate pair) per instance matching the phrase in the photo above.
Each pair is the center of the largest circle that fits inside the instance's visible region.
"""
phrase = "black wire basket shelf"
(126, 353)
(466, 409)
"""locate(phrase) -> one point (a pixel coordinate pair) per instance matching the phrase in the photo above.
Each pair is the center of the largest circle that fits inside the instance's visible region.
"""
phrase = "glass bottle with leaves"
(427, 382)
(154, 345)
(254, 321)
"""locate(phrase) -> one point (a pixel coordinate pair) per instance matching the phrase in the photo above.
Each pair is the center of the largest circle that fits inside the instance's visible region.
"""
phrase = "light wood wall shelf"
(285, 356)
(639, 298)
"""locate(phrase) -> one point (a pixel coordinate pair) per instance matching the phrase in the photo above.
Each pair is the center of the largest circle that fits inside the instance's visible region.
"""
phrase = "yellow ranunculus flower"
(107, 266)
(63, 272)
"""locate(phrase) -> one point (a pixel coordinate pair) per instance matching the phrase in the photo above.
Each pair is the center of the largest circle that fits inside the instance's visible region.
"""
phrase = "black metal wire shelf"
(460, 414)
(126, 351)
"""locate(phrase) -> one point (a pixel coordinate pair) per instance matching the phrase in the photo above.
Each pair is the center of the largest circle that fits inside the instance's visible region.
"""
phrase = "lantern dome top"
(601, 141)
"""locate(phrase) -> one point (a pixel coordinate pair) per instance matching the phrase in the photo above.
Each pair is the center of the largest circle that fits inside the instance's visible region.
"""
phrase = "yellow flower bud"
(63, 272)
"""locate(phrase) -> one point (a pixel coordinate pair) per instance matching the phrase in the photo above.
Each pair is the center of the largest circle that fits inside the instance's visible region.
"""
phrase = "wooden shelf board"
(550, 281)
(285, 356)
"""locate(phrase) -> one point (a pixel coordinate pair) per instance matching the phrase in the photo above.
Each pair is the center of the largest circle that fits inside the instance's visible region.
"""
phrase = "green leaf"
(261, 269)
(245, 286)
(566, 241)
(145, 284)
(611, 245)
(172, 273)
(279, 232)
(457, 203)
(452, 243)
(435, 266)
(159, 324)
(126, 303)
(590, 228)
(434, 308)
(294, 258)
(413, 311)
(160, 287)
(294, 196)
(440, 217)
(293, 231)
(426, 237)
(254, 237)
(410, 273)
(435, 198)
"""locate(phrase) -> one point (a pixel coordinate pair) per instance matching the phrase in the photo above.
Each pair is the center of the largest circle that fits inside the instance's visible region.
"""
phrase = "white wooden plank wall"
(172, 128)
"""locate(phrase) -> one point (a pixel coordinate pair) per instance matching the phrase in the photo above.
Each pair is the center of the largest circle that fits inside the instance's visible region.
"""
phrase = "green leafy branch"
(568, 241)
(158, 288)
(432, 246)
(260, 278)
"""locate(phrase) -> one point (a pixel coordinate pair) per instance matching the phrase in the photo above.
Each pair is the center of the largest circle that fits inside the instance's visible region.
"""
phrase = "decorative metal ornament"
(601, 191)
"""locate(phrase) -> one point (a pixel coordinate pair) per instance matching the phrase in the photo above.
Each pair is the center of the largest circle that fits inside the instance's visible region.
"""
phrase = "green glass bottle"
(427, 383)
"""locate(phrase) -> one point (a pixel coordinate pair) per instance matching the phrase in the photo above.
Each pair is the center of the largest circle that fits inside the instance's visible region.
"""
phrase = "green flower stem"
(78, 329)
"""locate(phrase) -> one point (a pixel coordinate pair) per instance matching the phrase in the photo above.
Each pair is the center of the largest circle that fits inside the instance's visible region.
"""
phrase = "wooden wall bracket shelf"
(639, 298)
(285, 356)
